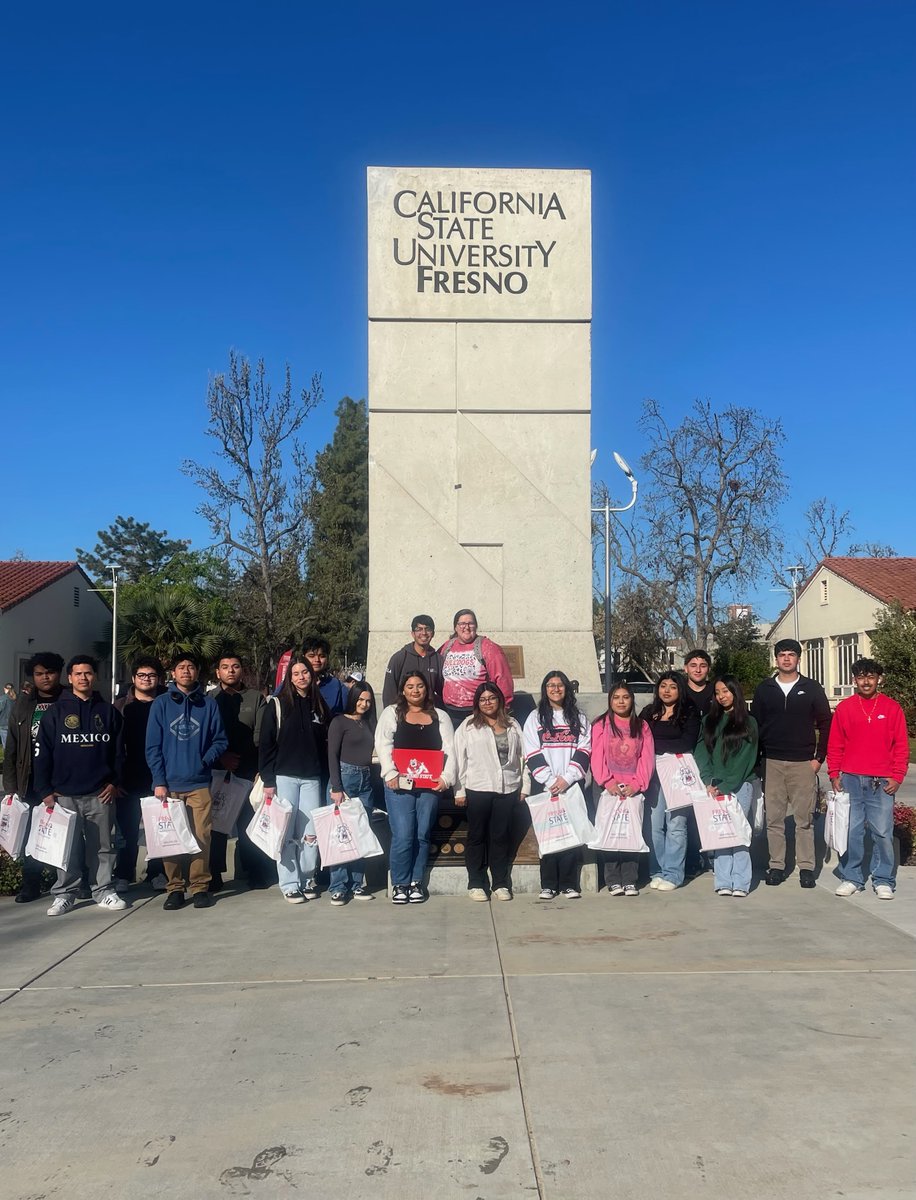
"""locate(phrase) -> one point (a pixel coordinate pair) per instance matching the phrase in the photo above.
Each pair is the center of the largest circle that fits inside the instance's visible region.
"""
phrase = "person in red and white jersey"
(867, 757)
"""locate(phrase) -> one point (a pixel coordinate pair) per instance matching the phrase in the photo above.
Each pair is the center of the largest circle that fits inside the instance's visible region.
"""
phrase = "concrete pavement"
(676, 1045)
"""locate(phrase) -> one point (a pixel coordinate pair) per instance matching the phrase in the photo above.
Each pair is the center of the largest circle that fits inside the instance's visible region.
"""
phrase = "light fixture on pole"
(607, 508)
(796, 571)
(114, 628)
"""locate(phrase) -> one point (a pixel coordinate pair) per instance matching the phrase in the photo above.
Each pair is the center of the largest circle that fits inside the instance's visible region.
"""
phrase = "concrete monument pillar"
(480, 404)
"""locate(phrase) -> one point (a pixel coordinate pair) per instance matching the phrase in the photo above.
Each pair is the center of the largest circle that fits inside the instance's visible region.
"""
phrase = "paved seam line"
(529, 1126)
(101, 933)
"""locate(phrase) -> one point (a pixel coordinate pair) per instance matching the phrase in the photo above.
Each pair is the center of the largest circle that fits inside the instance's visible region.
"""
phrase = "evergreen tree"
(893, 644)
(135, 549)
(338, 559)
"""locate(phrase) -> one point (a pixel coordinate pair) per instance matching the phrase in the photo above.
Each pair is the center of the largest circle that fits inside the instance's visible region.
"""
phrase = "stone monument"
(480, 403)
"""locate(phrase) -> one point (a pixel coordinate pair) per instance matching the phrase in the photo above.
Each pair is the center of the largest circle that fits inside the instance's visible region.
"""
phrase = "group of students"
(446, 727)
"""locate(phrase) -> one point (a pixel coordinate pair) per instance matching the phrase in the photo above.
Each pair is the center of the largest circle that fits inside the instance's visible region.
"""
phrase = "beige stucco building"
(837, 611)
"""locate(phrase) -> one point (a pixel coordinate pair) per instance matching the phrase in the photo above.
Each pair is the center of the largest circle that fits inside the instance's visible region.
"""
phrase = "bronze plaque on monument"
(449, 837)
(515, 657)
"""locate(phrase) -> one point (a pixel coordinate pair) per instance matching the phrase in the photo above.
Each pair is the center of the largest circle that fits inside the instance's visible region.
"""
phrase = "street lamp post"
(114, 627)
(796, 571)
(607, 508)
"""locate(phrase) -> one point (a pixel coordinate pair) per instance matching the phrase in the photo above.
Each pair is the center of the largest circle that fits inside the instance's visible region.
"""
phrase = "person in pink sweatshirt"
(623, 759)
(468, 660)
(867, 757)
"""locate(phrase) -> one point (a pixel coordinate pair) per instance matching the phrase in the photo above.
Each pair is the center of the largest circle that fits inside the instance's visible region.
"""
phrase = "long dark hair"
(736, 729)
(401, 706)
(636, 722)
(656, 709)
(313, 695)
(571, 715)
(478, 720)
(361, 689)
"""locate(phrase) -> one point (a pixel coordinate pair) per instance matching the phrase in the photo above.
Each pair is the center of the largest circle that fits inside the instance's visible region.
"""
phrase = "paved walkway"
(678, 1045)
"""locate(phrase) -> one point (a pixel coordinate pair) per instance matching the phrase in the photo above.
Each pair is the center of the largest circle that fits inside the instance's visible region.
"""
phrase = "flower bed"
(905, 831)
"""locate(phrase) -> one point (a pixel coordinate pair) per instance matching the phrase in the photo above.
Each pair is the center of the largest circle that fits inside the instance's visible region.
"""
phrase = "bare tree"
(826, 534)
(257, 500)
(714, 483)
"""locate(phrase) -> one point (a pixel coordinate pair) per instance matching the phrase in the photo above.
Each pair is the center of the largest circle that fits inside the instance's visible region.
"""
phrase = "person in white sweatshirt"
(558, 742)
(490, 761)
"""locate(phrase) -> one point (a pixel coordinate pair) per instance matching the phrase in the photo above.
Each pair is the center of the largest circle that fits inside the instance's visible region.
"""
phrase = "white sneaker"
(631, 890)
(477, 894)
(724, 892)
(616, 889)
(884, 892)
(665, 885)
(654, 882)
(502, 894)
(846, 889)
(547, 894)
(160, 883)
(738, 892)
(120, 886)
(61, 905)
(572, 894)
(111, 900)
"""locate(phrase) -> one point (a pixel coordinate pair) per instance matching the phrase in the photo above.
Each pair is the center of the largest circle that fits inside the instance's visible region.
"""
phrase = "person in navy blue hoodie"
(76, 766)
(184, 740)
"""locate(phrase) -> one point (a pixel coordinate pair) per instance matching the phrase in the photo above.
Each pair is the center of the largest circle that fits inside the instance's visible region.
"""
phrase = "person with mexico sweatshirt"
(77, 766)
(867, 757)
(185, 739)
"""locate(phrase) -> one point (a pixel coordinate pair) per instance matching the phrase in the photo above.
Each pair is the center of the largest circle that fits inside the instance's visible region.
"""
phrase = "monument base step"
(453, 881)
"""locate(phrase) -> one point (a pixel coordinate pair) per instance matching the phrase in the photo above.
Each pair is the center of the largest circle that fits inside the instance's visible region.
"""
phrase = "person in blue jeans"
(422, 734)
(726, 757)
(675, 724)
(867, 757)
(351, 741)
(293, 731)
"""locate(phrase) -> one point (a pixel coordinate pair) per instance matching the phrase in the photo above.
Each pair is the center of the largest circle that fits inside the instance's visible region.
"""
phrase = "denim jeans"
(869, 804)
(298, 859)
(667, 836)
(357, 785)
(411, 816)
(732, 867)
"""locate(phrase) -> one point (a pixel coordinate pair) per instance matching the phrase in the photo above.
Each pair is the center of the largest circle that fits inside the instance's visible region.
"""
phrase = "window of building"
(847, 651)
(76, 597)
(824, 590)
(814, 659)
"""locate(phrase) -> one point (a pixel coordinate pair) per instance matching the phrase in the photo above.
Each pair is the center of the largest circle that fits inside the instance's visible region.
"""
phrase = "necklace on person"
(868, 716)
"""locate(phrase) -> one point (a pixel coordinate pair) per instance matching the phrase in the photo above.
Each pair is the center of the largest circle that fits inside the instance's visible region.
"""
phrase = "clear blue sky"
(184, 179)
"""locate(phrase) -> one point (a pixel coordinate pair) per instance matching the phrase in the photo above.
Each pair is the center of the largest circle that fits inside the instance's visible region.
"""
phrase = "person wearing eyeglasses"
(146, 683)
(418, 657)
(468, 660)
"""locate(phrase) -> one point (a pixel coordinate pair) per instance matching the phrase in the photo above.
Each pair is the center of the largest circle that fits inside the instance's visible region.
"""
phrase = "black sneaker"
(806, 879)
(310, 890)
(27, 894)
(338, 898)
(362, 893)
(216, 884)
(399, 894)
(774, 877)
(418, 894)
(202, 900)
(174, 900)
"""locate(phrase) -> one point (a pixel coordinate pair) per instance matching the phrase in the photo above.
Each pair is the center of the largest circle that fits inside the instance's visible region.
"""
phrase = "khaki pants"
(790, 789)
(192, 870)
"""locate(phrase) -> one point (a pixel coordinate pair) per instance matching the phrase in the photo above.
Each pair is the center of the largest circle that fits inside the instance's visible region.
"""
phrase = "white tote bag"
(836, 826)
(758, 806)
(618, 823)
(344, 834)
(269, 824)
(680, 780)
(165, 824)
(14, 825)
(560, 822)
(721, 823)
(228, 794)
(51, 835)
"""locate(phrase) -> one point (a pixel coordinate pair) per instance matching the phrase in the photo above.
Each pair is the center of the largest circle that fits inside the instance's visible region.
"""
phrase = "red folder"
(422, 766)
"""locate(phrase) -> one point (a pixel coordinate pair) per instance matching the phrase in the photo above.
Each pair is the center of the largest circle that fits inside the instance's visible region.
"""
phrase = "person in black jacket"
(416, 658)
(291, 758)
(147, 675)
(675, 725)
(19, 752)
(77, 767)
(793, 716)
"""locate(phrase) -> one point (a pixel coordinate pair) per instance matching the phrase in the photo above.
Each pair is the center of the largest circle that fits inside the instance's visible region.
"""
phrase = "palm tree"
(168, 620)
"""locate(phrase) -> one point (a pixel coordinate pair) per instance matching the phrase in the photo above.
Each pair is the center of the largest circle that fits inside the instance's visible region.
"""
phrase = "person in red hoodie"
(867, 756)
